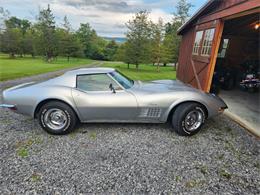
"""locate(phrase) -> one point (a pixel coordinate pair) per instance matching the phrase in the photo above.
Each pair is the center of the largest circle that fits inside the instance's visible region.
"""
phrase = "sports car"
(92, 95)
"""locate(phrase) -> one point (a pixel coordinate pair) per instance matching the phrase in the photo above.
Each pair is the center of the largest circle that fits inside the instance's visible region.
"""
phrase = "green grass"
(225, 173)
(27, 66)
(145, 72)
(93, 135)
(22, 152)
(194, 183)
(35, 177)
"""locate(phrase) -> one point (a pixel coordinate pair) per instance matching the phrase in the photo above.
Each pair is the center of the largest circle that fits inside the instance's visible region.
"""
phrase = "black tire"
(184, 110)
(63, 111)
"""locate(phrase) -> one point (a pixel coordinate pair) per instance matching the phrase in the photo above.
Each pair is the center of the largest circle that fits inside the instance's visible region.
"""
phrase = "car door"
(96, 102)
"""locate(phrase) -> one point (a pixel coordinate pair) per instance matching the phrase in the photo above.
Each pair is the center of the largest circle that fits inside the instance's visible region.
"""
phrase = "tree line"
(156, 43)
(44, 38)
(146, 41)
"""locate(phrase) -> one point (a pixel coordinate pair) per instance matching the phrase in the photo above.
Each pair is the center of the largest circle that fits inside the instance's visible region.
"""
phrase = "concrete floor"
(245, 105)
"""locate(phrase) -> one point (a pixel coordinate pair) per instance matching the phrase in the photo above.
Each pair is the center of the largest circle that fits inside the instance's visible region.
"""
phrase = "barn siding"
(184, 70)
(229, 9)
(204, 69)
(224, 4)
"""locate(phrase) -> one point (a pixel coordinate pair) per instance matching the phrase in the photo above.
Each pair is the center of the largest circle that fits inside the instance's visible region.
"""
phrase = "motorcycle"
(251, 81)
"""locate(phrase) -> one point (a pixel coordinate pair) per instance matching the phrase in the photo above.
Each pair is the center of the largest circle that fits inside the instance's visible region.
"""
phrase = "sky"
(107, 17)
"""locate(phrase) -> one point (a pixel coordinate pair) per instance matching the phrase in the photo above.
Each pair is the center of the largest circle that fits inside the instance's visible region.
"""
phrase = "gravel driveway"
(126, 158)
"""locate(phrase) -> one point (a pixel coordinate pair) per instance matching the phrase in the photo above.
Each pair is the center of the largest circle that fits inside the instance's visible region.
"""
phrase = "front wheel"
(188, 118)
(57, 118)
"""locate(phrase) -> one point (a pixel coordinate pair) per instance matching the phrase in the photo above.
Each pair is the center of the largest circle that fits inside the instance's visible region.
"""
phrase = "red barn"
(222, 36)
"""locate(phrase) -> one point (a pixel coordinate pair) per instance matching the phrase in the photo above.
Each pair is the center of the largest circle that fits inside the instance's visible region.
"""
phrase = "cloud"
(106, 5)
(107, 17)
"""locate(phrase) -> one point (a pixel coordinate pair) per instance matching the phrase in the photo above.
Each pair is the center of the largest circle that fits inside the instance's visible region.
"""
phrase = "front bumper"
(222, 109)
(216, 105)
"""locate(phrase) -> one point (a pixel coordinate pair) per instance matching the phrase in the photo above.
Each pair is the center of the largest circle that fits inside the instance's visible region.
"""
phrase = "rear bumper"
(9, 106)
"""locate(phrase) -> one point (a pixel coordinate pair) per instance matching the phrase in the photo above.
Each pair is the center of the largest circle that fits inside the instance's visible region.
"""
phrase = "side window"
(223, 48)
(207, 42)
(197, 43)
(96, 82)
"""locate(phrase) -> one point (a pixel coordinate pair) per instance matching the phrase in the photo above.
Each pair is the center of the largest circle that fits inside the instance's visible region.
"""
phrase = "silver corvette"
(105, 95)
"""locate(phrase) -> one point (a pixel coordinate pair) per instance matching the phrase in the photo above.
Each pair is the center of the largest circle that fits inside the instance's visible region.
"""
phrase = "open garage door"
(237, 71)
(196, 68)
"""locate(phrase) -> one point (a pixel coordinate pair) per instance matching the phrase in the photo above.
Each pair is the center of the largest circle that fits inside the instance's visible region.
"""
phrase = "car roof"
(89, 71)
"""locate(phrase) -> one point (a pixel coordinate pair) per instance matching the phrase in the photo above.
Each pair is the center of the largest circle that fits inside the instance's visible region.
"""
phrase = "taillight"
(13, 108)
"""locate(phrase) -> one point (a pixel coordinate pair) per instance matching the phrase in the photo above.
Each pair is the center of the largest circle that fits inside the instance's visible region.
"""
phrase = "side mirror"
(112, 88)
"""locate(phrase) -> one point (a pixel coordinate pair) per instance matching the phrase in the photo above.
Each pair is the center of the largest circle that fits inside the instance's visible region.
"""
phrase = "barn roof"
(195, 16)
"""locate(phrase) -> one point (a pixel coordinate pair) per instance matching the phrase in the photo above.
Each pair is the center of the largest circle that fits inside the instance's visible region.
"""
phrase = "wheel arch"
(172, 110)
(45, 101)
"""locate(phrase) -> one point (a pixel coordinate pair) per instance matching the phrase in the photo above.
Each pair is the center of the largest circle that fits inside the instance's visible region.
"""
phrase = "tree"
(17, 26)
(46, 29)
(93, 45)
(86, 35)
(138, 38)
(180, 17)
(110, 50)
(167, 49)
(69, 44)
(26, 45)
(11, 41)
(121, 54)
(97, 47)
(182, 11)
(171, 42)
(29, 42)
(157, 42)
(14, 22)
(66, 24)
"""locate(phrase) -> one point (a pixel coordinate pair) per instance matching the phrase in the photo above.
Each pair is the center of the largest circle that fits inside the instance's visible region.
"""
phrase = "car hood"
(162, 86)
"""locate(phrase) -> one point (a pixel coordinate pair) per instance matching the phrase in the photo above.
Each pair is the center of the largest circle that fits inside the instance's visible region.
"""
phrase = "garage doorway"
(237, 70)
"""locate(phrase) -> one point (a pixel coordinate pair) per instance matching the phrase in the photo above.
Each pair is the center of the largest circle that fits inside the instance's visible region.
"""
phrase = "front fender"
(178, 102)
(212, 103)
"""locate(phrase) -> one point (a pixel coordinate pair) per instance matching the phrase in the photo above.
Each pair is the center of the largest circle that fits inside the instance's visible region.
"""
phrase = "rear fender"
(62, 96)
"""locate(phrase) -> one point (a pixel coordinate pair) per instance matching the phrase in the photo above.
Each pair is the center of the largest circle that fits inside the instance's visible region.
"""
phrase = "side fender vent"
(151, 112)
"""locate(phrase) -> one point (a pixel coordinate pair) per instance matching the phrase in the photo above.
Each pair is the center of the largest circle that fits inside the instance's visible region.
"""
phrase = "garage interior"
(237, 61)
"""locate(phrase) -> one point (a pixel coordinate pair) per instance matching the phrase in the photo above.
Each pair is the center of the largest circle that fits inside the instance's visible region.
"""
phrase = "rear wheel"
(57, 118)
(188, 118)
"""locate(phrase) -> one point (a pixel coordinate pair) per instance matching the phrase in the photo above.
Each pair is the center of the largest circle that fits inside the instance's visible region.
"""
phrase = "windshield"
(122, 79)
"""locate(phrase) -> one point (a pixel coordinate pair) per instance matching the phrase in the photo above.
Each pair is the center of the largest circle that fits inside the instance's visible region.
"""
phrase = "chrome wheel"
(56, 119)
(193, 120)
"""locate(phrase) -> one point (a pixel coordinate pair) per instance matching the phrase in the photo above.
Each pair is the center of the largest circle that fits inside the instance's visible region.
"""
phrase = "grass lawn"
(27, 66)
(145, 72)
